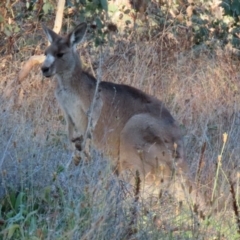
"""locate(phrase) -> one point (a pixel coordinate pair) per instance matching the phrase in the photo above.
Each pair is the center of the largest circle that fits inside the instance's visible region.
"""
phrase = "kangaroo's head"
(61, 56)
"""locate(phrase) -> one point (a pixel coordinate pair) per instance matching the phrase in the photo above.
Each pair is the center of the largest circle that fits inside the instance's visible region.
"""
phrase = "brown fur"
(132, 128)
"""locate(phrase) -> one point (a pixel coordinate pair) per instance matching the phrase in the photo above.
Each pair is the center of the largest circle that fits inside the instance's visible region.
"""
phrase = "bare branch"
(32, 61)
(59, 16)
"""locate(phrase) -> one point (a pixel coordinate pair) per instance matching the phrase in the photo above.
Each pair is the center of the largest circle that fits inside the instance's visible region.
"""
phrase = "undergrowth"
(43, 196)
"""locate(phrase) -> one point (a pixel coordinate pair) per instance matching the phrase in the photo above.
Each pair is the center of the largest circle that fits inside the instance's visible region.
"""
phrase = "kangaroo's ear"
(51, 35)
(77, 34)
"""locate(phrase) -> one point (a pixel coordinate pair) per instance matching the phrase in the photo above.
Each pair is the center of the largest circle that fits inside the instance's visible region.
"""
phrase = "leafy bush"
(232, 8)
(212, 23)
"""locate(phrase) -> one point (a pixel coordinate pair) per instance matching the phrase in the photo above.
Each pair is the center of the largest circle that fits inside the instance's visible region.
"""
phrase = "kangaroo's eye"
(59, 55)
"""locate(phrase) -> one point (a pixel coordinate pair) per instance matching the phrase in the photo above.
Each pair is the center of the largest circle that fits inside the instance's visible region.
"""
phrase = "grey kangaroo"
(133, 129)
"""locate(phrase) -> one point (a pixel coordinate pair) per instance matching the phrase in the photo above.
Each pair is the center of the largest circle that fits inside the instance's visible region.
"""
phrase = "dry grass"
(201, 89)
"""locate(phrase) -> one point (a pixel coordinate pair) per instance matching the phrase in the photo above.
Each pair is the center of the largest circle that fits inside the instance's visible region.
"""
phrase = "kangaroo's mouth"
(47, 75)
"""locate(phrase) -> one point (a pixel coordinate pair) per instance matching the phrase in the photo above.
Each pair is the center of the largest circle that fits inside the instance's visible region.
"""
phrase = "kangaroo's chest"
(71, 105)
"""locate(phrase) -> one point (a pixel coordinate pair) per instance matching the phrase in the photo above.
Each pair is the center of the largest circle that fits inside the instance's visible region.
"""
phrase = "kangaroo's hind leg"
(155, 150)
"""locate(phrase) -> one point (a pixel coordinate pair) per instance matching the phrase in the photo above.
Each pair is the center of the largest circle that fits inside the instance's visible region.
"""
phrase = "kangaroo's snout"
(49, 66)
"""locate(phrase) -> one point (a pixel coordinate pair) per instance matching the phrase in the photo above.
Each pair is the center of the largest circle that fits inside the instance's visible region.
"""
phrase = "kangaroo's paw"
(78, 141)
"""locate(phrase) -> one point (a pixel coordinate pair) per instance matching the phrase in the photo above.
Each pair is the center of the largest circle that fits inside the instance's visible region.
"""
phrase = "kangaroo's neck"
(69, 75)
(74, 73)
(77, 81)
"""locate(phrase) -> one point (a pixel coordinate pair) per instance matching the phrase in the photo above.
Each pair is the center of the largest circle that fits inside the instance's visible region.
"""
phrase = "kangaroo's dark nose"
(45, 69)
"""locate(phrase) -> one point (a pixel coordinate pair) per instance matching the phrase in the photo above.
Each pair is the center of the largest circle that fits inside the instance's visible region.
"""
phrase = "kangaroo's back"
(121, 102)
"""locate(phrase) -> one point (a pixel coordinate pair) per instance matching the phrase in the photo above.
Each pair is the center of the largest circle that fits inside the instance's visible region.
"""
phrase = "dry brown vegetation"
(199, 87)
